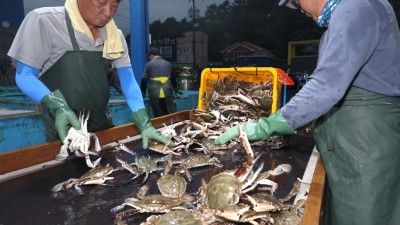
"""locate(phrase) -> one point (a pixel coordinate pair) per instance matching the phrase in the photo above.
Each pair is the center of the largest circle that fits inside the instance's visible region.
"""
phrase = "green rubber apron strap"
(154, 93)
(81, 76)
(359, 144)
(155, 87)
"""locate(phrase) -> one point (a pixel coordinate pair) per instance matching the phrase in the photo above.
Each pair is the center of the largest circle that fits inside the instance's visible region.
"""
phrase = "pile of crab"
(244, 194)
(230, 103)
(241, 195)
(238, 98)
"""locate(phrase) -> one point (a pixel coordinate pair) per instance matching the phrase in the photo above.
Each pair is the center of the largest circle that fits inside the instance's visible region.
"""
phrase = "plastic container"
(209, 76)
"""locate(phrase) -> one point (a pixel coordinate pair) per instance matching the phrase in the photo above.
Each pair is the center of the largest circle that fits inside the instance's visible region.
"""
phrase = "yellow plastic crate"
(210, 76)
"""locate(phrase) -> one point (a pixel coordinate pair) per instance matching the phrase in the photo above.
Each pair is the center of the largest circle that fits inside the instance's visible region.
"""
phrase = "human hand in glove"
(142, 121)
(275, 124)
(63, 114)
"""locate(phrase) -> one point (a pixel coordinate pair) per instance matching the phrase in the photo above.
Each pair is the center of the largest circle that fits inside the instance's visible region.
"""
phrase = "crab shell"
(222, 191)
(176, 217)
(145, 165)
(172, 186)
(153, 203)
(287, 217)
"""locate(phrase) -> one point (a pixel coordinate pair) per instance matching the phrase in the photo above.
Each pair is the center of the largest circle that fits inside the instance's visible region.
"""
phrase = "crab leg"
(89, 162)
(145, 178)
(58, 187)
(63, 153)
(293, 192)
(126, 166)
(253, 178)
(245, 142)
(99, 181)
(118, 208)
(97, 146)
(283, 168)
(188, 175)
(247, 166)
(262, 207)
(124, 148)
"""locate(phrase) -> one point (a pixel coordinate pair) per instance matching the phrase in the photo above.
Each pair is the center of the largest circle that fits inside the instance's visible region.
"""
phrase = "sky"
(158, 9)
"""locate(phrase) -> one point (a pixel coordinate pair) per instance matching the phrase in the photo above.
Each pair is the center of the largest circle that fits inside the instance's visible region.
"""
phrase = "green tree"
(169, 28)
(261, 22)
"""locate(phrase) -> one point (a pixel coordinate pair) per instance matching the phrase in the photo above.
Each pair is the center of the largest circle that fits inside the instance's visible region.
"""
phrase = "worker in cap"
(354, 99)
(157, 73)
(63, 55)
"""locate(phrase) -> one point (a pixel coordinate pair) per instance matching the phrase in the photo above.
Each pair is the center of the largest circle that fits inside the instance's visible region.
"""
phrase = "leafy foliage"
(261, 22)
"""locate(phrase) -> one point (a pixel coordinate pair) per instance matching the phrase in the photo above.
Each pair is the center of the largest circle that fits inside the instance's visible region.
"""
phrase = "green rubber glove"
(63, 114)
(275, 124)
(142, 121)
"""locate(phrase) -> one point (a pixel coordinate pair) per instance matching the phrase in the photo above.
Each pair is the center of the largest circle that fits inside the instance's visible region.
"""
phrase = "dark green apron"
(359, 144)
(155, 101)
(81, 76)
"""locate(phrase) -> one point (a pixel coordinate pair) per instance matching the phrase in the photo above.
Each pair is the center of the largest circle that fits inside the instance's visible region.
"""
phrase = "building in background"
(185, 48)
(243, 49)
(180, 50)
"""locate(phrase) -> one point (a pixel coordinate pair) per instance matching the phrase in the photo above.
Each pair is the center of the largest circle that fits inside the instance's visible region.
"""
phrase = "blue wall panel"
(25, 129)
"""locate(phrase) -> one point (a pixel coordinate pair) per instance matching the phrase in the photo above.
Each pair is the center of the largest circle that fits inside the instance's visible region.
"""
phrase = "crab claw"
(79, 190)
(63, 153)
(97, 146)
(283, 168)
(268, 182)
(58, 187)
(123, 147)
(145, 178)
(89, 162)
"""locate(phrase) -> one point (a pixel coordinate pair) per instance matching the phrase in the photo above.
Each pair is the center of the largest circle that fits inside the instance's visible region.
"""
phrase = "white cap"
(287, 3)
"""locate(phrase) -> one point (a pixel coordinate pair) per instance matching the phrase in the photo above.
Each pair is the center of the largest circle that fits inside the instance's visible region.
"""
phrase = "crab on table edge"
(149, 204)
(98, 175)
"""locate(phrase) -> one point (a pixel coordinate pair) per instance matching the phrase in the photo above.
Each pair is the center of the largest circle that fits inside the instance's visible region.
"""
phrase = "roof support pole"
(139, 34)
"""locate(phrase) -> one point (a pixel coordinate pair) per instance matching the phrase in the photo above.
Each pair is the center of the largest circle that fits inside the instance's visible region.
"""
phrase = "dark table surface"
(28, 199)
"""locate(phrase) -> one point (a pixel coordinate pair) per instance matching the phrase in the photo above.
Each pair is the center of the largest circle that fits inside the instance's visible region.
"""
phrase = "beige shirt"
(43, 38)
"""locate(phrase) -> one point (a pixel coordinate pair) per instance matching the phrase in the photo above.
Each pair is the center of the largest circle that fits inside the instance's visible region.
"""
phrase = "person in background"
(63, 55)
(158, 73)
(354, 97)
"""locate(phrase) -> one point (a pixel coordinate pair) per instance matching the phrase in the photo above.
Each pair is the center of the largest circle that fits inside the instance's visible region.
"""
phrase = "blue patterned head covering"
(325, 17)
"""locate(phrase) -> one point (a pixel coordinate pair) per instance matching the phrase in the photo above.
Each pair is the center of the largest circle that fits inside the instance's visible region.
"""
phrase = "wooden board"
(312, 210)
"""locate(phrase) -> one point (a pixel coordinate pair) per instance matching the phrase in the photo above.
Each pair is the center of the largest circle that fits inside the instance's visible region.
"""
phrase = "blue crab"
(225, 189)
(150, 203)
(173, 186)
(98, 175)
